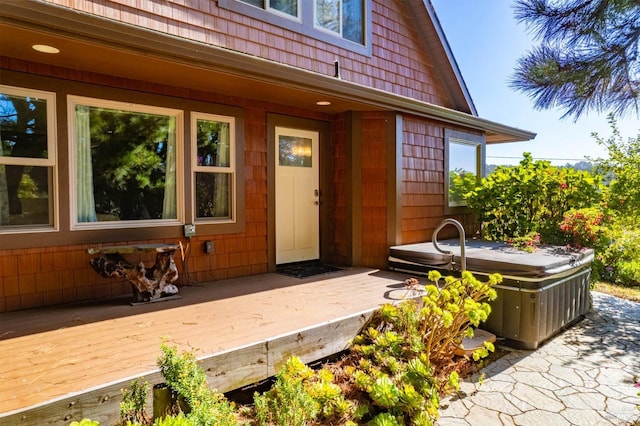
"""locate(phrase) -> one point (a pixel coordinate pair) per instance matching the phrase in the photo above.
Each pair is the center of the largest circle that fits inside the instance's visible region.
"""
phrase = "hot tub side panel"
(526, 316)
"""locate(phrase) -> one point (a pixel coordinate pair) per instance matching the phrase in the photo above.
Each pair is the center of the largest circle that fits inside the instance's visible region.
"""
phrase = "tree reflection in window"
(215, 167)
(129, 173)
(26, 169)
(464, 165)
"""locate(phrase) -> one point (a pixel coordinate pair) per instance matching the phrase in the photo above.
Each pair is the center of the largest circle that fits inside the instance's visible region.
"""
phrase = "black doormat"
(305, 269)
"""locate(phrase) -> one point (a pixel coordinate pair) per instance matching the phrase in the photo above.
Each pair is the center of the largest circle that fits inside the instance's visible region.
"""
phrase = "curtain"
(86, 202)
(221, 194)
(4, 194)
(170, 205)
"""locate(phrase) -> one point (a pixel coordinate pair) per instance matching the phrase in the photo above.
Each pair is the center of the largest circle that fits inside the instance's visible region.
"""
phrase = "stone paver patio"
(586, 375)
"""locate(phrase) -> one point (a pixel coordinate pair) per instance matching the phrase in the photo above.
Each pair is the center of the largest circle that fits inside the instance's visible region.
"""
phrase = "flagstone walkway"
(586, 375)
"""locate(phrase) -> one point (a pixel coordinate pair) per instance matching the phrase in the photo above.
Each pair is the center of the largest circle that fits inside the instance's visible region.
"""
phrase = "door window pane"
(295, 151)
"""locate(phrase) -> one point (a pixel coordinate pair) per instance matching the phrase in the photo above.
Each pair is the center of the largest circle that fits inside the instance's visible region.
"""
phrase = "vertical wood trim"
(271, 192)
(394, 178)
(353, 137)
(326, 192)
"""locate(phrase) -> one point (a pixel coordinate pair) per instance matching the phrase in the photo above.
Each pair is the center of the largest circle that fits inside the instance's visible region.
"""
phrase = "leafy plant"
(288, 402)
(133, 402)
(531, 198)
(183, 374)
(178, 420)
(393, 374)
(85, 422)
(622, 167)
(619, 261)
(399, 359)
(585, 228)
(528, 243)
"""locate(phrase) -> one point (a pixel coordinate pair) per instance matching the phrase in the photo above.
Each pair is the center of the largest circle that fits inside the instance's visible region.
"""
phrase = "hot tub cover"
(491, 257)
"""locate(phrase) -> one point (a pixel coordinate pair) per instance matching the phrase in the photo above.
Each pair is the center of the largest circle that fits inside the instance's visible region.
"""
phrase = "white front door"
(297, 195)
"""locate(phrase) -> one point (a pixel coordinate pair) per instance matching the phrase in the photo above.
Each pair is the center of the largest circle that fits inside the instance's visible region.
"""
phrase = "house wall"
(423, 166)
(399, 63)
(374, 189)
(51, 272)
(54, 268)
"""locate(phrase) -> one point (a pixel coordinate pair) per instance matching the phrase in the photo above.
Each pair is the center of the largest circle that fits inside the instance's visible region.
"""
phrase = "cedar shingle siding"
(52, 268)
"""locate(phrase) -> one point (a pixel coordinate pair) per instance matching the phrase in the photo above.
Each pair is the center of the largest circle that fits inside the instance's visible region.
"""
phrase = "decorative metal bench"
(148, 285)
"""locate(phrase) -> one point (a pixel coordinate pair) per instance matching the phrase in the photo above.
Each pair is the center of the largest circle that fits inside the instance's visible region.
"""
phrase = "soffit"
(85, 55)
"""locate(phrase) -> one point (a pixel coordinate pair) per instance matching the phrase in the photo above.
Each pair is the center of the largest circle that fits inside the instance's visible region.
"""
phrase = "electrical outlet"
(189, 230)
(208, 247)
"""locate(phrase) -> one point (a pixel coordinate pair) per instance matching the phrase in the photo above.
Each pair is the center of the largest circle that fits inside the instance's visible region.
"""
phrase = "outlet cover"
(189, 230)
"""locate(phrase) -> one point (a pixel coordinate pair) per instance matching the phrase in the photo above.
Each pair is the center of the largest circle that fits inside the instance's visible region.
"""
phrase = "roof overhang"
(94, 44)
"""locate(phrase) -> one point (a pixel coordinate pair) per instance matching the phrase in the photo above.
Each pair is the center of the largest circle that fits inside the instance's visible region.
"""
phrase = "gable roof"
(435, 40)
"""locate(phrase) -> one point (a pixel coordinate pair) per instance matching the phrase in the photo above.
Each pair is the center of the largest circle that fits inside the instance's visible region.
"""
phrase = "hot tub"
(541, 292)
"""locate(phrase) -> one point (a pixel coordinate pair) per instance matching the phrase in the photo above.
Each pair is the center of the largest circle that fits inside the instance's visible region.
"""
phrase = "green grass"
(629, 293)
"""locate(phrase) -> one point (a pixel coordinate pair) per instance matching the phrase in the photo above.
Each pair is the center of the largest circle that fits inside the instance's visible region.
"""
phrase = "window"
(345, 23)
(343, 17)
(465, 165)
(287, 7)
(27, 160)
(215, 177)
(123, 161)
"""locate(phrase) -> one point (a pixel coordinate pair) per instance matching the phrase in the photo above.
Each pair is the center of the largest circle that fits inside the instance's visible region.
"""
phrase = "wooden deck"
(64, 363)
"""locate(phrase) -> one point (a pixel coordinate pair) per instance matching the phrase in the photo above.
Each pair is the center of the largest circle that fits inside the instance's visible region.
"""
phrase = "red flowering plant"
(585, 228)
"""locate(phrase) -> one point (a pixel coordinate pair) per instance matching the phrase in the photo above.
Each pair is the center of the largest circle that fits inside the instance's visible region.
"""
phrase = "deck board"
(52, 353)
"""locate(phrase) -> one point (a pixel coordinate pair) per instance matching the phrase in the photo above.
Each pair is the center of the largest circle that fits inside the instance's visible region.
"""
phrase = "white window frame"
(231, 169)
(305, 24)
(268, 8)
(463, 138)
(50, 161)
(72, 102)
(340, 27)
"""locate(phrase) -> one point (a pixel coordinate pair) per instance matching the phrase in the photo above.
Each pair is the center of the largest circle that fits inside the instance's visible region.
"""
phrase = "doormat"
(305, 269)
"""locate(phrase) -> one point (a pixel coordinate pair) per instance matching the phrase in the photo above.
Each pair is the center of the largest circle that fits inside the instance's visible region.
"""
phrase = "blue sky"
(486, 41)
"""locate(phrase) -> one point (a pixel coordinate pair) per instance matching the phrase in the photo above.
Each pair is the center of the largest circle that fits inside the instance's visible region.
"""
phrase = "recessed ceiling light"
(44, 48)
(323, 103)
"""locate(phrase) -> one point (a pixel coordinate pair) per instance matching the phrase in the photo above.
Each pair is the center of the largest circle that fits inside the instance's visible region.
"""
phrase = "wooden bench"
(148, 285)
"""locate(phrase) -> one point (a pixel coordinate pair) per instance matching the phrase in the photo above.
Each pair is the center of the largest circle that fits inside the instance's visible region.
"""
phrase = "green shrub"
(531, 198)
(288, 403)
(133, 402)
(177, 420)
(85, 422)
(619, 261)
(622, 167)
(586, 228)
(399, 358)
(393, 374)
(183, 374)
